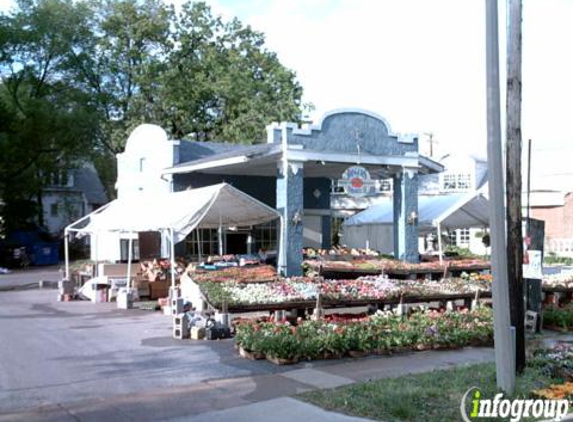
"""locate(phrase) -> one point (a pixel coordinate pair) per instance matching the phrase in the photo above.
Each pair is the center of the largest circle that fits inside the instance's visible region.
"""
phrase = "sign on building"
(356, 181)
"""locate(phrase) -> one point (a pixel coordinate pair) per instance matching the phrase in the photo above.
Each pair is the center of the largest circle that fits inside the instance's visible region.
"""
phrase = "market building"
(294, 172)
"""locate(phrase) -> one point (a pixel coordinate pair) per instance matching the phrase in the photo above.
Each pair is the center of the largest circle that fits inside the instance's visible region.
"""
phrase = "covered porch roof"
(262, 160)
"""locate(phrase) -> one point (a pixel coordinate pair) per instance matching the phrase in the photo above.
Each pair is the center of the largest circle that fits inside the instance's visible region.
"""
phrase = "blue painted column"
(406, 207)
(290, 204)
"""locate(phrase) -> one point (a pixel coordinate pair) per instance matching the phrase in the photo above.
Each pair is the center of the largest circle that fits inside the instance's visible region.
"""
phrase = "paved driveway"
(56, 352)
(29, 277)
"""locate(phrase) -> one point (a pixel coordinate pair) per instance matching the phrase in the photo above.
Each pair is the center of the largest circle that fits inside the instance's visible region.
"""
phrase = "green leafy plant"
(561, 317)
(381, 332)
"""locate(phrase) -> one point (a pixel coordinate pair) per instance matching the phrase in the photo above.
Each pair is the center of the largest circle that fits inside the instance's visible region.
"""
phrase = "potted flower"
(249, 339)
(281, 345)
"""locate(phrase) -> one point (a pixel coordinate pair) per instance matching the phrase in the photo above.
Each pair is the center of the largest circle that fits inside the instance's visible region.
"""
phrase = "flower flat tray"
(326, 303)
(353, 272)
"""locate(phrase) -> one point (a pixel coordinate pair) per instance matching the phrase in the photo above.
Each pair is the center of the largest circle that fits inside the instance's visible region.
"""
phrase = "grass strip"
(431, 397)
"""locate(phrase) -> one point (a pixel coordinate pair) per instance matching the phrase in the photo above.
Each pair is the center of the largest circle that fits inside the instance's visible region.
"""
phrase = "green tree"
(78, 76)
(46, 122)
(119, 61)
(222, 83)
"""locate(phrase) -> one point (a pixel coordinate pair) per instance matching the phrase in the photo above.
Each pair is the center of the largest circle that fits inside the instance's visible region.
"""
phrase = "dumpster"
(44, 253)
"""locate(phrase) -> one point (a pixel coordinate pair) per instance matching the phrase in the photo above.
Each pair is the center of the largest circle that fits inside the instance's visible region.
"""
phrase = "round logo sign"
(356, 181)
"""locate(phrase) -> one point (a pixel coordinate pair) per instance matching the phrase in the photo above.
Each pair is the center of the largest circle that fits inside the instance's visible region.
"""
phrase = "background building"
(72, 194)
(556, 209)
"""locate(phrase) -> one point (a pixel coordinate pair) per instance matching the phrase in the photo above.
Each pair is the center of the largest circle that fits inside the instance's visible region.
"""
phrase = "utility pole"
(431, 142)
(514, 212)
(528, 191)
(504, 355)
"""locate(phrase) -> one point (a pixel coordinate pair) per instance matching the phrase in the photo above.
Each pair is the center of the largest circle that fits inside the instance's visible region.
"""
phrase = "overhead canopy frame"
(176, 214)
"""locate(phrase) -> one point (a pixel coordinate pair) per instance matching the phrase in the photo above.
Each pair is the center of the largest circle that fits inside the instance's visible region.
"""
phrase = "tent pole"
(129, 252)
(440, 251)
(220, 236)
(172, 260)
(96, 260)
(67, 254)
(199, 243)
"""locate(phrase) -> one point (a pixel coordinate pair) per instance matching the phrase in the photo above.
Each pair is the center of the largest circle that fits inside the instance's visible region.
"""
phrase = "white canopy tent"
(452, 211)
(176, 213)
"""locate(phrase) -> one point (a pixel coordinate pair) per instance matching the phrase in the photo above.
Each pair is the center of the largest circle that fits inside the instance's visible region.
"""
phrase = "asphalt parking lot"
(29, 278)
(56, 352)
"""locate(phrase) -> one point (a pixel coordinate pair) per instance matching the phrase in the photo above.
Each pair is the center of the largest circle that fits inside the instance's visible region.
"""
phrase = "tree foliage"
(78, 76)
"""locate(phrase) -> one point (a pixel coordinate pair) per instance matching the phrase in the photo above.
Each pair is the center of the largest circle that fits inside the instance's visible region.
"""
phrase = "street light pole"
(504, 355)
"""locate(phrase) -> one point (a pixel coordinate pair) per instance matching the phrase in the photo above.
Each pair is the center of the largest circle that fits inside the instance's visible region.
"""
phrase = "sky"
(421, 65)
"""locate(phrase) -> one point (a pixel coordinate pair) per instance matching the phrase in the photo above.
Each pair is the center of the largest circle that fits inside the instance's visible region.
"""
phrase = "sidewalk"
(254, 398)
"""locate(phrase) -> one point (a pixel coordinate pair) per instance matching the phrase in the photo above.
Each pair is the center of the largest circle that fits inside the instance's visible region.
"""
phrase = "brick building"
(556, 209)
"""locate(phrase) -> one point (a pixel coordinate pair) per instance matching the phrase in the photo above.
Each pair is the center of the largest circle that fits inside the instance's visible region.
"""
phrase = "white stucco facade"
(148, 152)
(140, 167)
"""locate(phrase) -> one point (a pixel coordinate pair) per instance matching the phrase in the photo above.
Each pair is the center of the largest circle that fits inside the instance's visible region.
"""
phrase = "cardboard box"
(197, 333)
(142, 287)
(158, 289)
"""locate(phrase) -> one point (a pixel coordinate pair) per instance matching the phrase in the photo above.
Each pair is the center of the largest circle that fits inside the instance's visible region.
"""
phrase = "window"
(460, 237)
(265, 236)
(385, 185)
(124, 250)
(464, 236)
(54, 209)
(453, 235)
(456, 182)
(205, 242)
(59, 178)
(141, 164)
(449, 182)
(202, 242)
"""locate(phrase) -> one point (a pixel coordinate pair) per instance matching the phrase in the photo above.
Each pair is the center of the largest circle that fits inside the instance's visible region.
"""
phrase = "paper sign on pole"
(534, 269)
